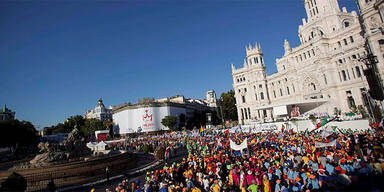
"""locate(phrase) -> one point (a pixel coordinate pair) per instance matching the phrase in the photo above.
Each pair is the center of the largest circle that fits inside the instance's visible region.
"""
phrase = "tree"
(182, 120)
(90, 126)
(227, 105)
(18, 133)
(169, 121)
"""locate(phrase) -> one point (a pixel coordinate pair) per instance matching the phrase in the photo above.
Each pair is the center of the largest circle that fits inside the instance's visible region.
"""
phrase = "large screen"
(280, 110)
(144, 119)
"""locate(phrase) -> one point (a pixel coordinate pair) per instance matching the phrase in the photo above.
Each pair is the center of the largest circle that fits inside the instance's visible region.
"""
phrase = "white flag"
(327, 131)
(237, 147)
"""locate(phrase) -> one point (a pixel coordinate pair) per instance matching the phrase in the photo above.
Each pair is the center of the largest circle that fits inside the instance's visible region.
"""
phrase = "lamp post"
(221, 110)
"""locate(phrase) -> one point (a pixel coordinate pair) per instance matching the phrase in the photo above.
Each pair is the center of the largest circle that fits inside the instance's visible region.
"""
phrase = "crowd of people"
(280, 160)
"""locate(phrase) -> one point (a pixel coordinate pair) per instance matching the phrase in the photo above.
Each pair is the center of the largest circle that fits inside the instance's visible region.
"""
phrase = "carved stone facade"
(372, 17)
(319, 75)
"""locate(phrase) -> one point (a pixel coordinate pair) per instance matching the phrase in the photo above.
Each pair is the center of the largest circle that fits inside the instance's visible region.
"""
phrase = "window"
(345, 42)
(250, 61)
(344, 75)
(242, 114)
(261, 60)
(348, 74)
(381, 41)
(301, 59)
(260, 86)
(262, 96)
(339, 43)
(246, 114)
(353, 73)
(245, 89)
(351, 39)
(274, 93)
(325, 79)
(254, 60)
(243, 98)
(358, 71)
(313, 52)
(284, 67)
(265, 112)
(256, 96)
(288, 90)
(249, 113)
(340, 77)
(281, 92)
(346, 24)
(313, 86)
(340, 61)
(309, 54)
(297, 59)
(293, 87)
(354, 57)
(239, 90)
(317, 11)
(305, 57)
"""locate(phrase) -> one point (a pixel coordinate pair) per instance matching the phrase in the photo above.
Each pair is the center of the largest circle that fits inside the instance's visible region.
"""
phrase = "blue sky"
(57, 58)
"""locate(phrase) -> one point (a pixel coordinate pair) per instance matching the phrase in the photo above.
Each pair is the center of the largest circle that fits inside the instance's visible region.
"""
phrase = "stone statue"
(73, 148)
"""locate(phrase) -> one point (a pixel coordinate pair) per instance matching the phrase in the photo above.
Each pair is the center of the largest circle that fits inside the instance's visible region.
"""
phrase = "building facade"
(99, 112)
(372, 20)
(147, 116)
(320, 75)
(6, 114)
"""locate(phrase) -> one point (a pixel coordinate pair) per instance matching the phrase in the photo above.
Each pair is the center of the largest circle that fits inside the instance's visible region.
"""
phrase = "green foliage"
(90, 126)
(182, 120)
(169, 121)
(362, 111)
(16, 132)
(86, 126)
(227, 105)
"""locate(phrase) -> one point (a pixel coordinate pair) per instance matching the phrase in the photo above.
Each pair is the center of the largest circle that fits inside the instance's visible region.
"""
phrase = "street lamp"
(221, 110)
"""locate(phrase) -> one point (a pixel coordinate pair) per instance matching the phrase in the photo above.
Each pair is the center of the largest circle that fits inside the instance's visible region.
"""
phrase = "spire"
(287, 47)
(233, 67)
(5, 108)
(245, 63)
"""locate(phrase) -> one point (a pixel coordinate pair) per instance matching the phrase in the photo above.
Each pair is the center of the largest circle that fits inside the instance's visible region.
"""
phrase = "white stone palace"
(319, 75)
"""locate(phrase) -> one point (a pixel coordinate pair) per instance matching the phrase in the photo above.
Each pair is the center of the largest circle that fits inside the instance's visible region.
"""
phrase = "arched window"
(358, 71)
(262, 96)
(274, 93)
(288, 90)
(346, 24)
(281, 92)
(344, 75)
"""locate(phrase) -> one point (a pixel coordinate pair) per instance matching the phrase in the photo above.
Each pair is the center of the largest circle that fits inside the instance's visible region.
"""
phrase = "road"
(141, 176)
